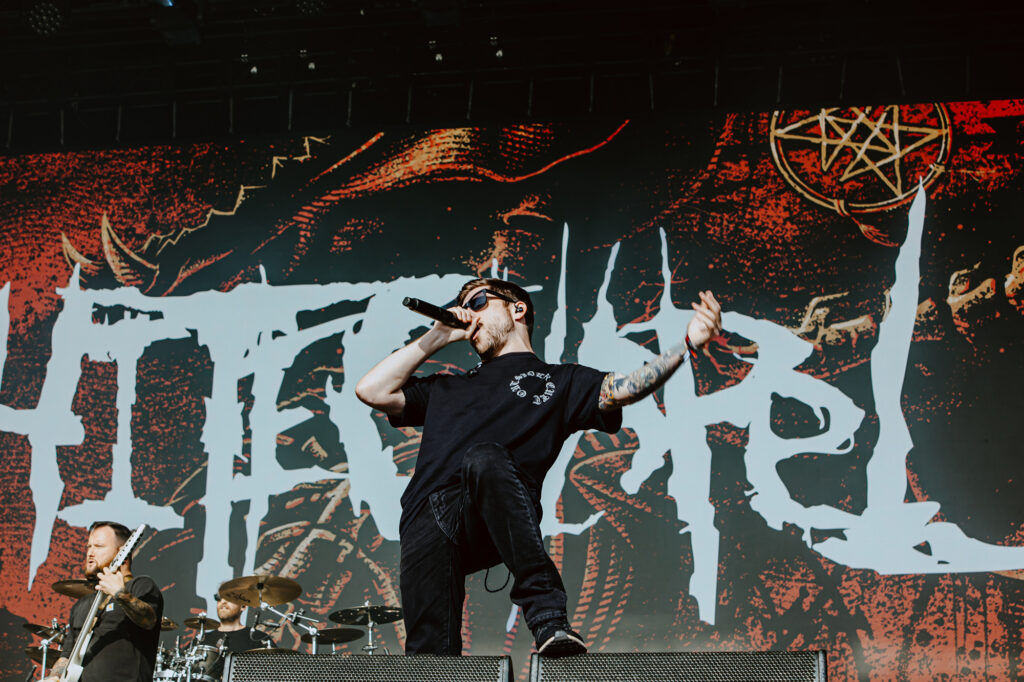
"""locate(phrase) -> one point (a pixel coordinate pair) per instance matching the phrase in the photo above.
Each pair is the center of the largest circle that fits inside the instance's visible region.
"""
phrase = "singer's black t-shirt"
(516, 400)
(120, 650)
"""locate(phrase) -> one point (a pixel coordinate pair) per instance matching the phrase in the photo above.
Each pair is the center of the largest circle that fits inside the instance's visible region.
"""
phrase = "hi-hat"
(166, 624)
(362, 615)
(249, 590)
(198, 622)
(44, 631)
(36, 654)
(75, 587)
(333, 636)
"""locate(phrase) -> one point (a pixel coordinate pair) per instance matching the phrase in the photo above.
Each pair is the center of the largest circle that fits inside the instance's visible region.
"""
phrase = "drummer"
(236, 636)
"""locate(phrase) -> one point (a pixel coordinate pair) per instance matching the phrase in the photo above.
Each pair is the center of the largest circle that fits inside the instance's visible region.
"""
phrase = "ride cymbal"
(204, 622)
(249, 590)
(75, 587)
(333, 636)
(166, 624)
(362, 615)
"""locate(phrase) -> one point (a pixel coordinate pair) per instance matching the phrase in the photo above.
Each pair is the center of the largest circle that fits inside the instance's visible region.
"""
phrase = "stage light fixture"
(310, 8)
(176, 20)
(499, 53)
(44, 17)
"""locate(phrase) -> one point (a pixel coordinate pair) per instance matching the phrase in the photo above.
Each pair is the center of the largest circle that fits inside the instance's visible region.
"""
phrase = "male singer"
(489, 438)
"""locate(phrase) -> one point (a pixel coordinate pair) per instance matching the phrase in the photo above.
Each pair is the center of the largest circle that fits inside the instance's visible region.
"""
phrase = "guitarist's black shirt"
(120, 651)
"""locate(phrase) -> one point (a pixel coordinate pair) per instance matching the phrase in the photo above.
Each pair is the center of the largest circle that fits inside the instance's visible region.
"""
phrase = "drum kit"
(199, 662)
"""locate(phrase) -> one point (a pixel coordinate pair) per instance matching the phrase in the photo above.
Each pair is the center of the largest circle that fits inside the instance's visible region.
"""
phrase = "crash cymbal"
(249, 589)
(44, 631)
(198, 622)
(75, 587)
(362, 615)
(265, 650)
(166, 624)
(36, 654)
(334, 636)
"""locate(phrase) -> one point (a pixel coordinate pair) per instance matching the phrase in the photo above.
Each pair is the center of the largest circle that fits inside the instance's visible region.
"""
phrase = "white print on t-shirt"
(538, 398)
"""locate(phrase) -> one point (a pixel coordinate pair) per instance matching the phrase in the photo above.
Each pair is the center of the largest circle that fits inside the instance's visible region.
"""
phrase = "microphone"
(433, 312)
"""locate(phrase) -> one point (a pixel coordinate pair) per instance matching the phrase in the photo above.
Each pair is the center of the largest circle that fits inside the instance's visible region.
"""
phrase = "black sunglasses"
(478, 301)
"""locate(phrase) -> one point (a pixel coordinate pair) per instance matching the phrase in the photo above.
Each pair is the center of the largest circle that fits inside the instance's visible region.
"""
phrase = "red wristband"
(689, 346)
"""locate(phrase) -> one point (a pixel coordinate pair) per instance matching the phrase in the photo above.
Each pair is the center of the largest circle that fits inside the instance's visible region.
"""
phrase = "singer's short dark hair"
(513, 291)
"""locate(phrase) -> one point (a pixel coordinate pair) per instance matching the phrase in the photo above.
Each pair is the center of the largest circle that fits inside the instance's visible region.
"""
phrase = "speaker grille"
(298, 667)
(691, 666)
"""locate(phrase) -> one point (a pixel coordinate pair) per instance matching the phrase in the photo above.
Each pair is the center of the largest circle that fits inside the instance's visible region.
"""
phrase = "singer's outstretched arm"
(623, 389)
(381, 387)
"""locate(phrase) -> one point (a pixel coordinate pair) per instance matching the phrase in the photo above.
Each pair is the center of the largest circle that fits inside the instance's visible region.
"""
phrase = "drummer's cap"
(121, 533)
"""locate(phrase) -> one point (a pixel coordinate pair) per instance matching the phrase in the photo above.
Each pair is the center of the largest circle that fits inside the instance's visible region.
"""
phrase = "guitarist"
(127, 631)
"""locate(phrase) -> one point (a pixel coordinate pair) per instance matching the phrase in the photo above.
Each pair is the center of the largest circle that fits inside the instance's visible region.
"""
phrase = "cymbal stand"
(294, 617)
(191, 657)
(370, 647)
(45, 644)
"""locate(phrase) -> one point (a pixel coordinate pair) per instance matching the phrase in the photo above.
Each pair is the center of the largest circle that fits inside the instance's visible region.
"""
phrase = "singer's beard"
(489, 340)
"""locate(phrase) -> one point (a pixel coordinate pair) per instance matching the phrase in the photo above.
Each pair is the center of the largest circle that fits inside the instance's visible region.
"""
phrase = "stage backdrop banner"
(182, 328)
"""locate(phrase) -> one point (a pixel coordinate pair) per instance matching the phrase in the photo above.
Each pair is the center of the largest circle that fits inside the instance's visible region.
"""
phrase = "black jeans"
(492, 515)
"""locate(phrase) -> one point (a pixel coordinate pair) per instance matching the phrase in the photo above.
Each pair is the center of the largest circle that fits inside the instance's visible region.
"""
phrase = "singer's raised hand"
(707, 323)
(454, 334)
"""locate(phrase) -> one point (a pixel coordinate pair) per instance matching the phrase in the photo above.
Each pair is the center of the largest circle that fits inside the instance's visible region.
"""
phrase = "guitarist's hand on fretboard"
(110, 582)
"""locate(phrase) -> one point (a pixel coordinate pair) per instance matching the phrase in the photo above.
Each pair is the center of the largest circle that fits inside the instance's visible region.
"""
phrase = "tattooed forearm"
(141, 613)
(624, 389)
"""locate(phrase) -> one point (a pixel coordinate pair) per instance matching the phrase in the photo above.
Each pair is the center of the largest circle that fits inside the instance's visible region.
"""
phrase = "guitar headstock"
(127, 548)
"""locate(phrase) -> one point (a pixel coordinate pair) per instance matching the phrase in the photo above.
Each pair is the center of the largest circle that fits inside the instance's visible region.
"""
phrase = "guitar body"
(75, 666)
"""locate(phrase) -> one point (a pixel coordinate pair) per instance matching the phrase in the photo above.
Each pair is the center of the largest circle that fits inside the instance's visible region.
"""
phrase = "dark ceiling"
(129, 71)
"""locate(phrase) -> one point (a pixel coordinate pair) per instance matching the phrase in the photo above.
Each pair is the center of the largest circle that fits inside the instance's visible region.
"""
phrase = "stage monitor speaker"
(291, 666)
(685, 666)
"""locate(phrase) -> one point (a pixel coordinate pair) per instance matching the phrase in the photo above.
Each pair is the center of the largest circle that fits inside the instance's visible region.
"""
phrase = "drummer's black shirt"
(119, 651)
(516, 400)
(237, 641)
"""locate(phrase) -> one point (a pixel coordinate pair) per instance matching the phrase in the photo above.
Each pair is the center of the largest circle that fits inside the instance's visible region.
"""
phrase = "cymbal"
(265, 650)
(362, 615)
(36, 654)
(44, 631)
(75, 587)
(166, 624)
(204, 622)
(249, 589)
(333, 636)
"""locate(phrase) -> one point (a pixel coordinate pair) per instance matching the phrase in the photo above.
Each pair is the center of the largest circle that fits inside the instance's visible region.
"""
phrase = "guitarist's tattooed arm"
(141, 613)
(138, 611)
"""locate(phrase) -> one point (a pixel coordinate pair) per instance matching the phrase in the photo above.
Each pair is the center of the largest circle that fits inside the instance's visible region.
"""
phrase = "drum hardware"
(75, 587)
(202, 622)
(370, 616)
(42, 653)
(311, 632)
(332, 636)
(46, 631)
(260, 591)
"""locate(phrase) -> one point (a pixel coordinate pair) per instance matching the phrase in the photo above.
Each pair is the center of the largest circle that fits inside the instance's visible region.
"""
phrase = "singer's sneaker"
(556, 640)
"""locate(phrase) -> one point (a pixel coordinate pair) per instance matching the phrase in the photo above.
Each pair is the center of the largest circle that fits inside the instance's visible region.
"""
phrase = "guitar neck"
(87, 626)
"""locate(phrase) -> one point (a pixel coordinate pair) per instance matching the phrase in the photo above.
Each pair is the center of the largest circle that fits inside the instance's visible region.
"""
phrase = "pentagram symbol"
(861, 159)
